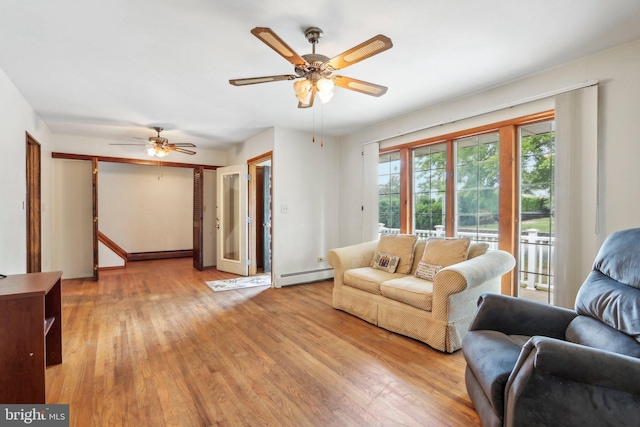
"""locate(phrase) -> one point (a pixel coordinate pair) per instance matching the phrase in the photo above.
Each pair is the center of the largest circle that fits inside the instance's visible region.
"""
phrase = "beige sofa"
(437, 313)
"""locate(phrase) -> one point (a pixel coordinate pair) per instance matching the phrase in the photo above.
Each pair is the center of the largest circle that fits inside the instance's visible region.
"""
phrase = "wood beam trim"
(406, 202)
(508, 203)
(70, 156)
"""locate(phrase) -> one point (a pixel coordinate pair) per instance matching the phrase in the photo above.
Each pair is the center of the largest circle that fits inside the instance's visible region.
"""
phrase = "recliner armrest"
(582, 364)
(516, 316)
(555, 382)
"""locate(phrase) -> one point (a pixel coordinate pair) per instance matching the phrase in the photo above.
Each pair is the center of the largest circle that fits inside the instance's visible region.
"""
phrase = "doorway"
(34, 234)
(260, 211)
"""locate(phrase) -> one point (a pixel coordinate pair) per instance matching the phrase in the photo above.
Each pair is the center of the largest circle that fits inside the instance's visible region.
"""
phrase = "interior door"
(267, 220)
(231, 220)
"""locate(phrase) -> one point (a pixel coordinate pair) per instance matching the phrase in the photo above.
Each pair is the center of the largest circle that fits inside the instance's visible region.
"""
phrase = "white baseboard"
(303, 277)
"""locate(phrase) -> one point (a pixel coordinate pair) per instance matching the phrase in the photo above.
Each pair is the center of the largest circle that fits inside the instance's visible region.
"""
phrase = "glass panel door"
(232, 219)
(537, 222)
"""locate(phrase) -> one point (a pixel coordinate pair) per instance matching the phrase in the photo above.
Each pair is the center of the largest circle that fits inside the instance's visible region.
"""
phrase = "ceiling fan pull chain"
(313, 112)
(321, 125)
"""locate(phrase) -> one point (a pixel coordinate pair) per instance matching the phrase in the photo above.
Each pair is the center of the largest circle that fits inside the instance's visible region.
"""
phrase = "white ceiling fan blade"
(266, 79)
(365, 50)
(360, 86)
(183, 144)
(272, 40)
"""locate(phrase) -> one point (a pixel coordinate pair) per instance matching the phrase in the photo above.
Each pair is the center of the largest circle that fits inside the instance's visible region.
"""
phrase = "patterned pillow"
(400, 245)
(427, 271)
(386, 262)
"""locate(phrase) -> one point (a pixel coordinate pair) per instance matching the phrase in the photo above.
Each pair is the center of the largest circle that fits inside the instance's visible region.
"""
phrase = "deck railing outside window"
(536, 254)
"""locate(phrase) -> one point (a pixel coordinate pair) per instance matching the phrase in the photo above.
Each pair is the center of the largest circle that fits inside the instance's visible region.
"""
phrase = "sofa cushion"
(368, 279)
(410, 290)
(491, 356)
(588, 331)
(446, 252)
(386, 262)
(427, 271)
(417, 254)
(401, 245)
(477, 249)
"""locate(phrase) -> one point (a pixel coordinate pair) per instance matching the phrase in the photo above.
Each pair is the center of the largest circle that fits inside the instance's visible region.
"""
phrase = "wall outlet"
(320, 259)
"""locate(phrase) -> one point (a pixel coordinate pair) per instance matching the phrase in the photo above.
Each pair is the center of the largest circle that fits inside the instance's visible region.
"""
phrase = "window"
(467, 183)
(389, 190)
(537, 225)
(477, 179)
(429, 190)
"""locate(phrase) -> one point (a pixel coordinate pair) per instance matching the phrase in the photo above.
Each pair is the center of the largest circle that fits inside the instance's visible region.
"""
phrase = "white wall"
(73, 246)
(305, 200)
(146, 208)
(16, 118)
(618, 120)
(253, 147)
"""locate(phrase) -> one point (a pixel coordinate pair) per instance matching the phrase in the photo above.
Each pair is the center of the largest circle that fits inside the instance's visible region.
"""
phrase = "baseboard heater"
(302, 277)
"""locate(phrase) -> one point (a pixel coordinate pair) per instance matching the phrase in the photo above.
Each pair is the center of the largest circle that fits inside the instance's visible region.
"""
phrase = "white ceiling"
(113, 68)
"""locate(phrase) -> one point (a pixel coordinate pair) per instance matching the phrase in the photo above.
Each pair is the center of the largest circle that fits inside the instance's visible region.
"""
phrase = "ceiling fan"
(314, 71)
(160, 147)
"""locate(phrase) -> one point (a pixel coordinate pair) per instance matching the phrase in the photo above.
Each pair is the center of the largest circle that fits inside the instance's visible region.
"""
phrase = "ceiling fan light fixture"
(157, 151)
(303, 90)
(325, 89)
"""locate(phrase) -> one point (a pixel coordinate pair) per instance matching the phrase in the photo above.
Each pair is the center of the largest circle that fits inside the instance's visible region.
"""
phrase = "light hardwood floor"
(153, 346)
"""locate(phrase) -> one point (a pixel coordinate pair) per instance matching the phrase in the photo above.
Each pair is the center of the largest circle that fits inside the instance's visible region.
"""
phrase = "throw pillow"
(446, 252)
(386, 262)
(427, 271)
(400, 245)
(477, 249)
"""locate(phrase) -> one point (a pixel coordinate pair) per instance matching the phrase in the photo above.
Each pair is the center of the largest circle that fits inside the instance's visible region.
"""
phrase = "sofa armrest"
(517, 316)
(579, 385)
(348, 257)
(478, 270)
(466, 275)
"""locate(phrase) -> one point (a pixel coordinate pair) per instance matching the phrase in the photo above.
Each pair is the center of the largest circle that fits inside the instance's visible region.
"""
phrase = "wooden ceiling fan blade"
(272, 40)
(365, 50)
(360, 86)
(182, 150)
(265, 79)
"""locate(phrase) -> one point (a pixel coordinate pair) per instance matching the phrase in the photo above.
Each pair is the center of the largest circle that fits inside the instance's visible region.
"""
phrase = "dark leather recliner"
(530, 364)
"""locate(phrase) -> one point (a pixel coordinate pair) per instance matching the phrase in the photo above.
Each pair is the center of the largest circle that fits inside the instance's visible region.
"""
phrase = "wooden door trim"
(253, 229)
(33, 177)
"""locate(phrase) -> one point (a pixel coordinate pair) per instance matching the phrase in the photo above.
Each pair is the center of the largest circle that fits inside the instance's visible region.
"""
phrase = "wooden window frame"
(509, 214)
